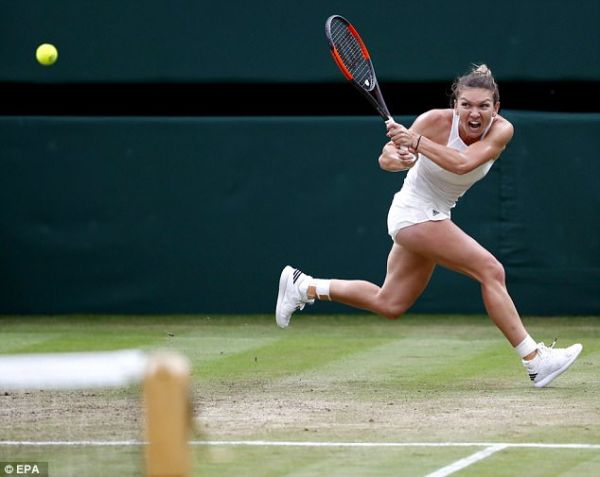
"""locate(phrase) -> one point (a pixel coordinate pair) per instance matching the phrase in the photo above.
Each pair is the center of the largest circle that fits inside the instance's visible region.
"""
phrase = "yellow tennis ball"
(46, 54)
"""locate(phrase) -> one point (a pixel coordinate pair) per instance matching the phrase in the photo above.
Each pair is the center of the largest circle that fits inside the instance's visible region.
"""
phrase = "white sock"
(322, 288)
(525, 347)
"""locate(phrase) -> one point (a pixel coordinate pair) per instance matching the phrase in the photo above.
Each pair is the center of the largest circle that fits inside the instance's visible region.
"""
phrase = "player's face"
(476, 109)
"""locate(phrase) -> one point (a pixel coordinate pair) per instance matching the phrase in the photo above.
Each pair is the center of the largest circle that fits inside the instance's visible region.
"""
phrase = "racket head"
(350, 52)
(353, 59)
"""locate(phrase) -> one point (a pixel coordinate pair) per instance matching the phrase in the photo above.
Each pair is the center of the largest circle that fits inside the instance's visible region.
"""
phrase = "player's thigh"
(447, 245)
(408, 274)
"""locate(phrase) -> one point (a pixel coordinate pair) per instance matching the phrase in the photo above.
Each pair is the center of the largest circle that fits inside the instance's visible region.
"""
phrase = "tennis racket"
(352, 57)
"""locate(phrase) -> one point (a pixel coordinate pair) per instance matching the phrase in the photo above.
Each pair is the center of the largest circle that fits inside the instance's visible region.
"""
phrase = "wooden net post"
(167, 415)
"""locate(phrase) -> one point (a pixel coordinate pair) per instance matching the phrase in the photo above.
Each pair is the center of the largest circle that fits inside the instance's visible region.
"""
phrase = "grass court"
(332, 395)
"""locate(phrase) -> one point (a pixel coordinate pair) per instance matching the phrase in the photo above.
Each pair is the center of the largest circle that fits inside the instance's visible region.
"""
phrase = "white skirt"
(407, 210)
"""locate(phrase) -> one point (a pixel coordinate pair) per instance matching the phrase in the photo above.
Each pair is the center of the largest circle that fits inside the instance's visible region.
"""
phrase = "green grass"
(351, 378)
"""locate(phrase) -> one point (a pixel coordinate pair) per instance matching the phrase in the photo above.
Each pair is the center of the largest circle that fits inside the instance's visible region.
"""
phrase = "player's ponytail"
(481, 70)
(480, 76)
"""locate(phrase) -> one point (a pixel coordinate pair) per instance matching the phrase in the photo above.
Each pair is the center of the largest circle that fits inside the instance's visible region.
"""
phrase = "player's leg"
(449, 246)
(407, 276)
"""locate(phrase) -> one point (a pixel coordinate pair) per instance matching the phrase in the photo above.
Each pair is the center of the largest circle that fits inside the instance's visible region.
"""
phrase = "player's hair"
(480, 76)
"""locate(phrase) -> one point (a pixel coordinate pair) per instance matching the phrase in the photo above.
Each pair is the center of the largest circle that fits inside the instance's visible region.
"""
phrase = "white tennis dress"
(429, 191)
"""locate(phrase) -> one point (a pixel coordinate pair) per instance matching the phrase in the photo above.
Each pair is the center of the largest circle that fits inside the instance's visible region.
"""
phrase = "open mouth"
(474, 125)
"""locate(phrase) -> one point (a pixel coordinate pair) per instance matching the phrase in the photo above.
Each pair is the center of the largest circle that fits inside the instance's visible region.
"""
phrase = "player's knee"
(494, 271)
(393, 311)
(392, 306)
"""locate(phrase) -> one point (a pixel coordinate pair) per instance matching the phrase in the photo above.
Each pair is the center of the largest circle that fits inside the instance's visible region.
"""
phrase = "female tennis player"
(447, 151)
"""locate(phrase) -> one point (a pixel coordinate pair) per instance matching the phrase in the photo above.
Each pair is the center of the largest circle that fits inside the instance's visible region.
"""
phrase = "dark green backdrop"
(167, 214)
(152, 215)
(283, 41)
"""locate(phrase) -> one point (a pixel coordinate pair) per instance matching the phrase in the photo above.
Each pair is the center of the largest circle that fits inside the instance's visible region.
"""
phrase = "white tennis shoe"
(290, 298)
(550, 363)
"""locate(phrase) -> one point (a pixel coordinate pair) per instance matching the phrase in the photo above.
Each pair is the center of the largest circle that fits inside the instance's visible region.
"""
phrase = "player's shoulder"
(502, 127)
(436, 116)
(433, 123)
(504, 123)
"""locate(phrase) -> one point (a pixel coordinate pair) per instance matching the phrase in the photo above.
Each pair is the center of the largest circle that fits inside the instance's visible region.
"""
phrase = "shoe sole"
(281, 295)
(551, 377)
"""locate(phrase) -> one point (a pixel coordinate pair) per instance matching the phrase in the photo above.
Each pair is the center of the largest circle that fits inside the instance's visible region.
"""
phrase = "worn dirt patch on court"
(291, 409)
(309, 410)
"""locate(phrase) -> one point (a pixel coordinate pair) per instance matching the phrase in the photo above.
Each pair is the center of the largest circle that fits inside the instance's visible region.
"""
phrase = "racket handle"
(391, 120)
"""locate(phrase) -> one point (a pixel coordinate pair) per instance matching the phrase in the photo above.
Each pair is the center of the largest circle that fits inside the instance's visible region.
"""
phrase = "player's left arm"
(459, 162)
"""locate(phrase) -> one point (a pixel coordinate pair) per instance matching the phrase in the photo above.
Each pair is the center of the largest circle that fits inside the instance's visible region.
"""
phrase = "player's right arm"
(432, 124)
(393, 159)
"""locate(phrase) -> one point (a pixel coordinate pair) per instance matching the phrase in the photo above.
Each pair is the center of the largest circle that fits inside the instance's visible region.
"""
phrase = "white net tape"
(72, 370)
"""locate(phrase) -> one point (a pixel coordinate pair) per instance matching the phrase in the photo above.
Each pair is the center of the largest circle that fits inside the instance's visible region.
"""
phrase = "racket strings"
(351, 54)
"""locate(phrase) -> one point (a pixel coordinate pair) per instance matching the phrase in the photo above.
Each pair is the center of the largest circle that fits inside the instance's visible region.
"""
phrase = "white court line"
(98, 443)
(467, 461)
(71, 443)
(394, 444)
(490, 448)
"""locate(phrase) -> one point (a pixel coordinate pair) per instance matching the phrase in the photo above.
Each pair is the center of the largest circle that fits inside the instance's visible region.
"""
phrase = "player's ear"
(496, 108)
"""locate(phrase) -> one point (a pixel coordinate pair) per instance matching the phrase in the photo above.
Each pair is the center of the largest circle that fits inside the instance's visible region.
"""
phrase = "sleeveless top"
(428, 182)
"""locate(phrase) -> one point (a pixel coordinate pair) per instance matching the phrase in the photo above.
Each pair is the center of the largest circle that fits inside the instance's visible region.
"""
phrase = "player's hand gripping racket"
(352, 57)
